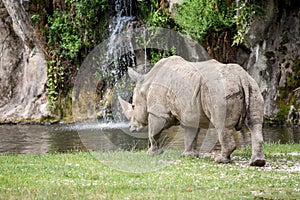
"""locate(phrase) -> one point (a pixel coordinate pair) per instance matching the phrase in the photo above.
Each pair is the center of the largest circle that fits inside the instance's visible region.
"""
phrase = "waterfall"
(120, 53)
(256, 52)
(119, 50)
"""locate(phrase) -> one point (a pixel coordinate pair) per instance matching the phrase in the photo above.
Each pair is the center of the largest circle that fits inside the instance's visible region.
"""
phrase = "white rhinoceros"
(197, 95)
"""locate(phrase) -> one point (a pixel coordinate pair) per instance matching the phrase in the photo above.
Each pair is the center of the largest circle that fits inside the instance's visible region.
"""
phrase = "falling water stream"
(120, 22)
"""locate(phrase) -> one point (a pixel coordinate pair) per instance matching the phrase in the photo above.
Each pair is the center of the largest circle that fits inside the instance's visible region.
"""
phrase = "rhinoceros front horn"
(135, 76)
(126, 107)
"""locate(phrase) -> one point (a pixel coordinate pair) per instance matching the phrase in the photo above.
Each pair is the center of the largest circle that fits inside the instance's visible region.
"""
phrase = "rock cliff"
(23, 70)
(274, 43)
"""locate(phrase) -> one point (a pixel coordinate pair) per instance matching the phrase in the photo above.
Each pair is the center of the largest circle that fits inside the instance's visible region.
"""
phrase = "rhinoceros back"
(197, 93)
(175, 84)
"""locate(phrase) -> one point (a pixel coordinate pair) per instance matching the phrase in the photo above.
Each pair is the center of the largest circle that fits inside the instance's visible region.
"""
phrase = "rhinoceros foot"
(191, 153)
(256, 161)
(221, 159)
(154, 151)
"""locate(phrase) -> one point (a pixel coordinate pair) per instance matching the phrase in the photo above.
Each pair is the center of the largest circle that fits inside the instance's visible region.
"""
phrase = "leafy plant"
(161, 18)
(52, 83)
(71, 35)
(199, 17)
(294, 79)
(155, 15)
(244, 13)
(282, 114)
(35, 18)
(285, 99)
(156, 55)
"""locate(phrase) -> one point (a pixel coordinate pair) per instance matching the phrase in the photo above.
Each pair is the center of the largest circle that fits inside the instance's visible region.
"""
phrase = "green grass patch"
(135, 175)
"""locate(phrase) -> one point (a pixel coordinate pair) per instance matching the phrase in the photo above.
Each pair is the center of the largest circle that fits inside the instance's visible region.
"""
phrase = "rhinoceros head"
(137, 111)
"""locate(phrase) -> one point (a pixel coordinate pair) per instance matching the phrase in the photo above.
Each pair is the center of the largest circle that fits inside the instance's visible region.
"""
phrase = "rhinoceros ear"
(126, 107)
(135, 76)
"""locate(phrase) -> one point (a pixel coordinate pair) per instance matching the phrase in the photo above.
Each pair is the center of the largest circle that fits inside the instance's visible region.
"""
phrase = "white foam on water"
(99, 126)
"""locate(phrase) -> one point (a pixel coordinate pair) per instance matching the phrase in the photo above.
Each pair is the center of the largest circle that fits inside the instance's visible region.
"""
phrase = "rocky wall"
(23, 69)
(274, 43)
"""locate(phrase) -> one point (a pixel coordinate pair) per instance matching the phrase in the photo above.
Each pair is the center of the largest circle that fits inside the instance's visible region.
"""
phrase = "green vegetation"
(156, 14)
(282, 114)
(286, 99)
(294, 80)
(203, 17)
(218, 25)
(81, 176)
(156, 55)
(74, 29)
(243, 19)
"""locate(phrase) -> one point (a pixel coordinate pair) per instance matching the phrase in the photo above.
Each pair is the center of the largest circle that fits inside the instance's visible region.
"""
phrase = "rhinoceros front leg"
(155, 127)
(257, 158)
(227, 145)
(190, 141)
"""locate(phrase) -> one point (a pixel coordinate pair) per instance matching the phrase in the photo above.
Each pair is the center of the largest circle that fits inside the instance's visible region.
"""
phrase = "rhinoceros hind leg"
(257, 158)
(259, 162)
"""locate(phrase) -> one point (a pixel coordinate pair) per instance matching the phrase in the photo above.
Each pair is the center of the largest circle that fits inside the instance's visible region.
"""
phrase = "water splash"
(98, 126)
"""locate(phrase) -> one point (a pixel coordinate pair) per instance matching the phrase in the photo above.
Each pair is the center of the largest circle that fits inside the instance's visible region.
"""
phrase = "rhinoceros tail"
(244, 84)
(253, 109)
(255, 104)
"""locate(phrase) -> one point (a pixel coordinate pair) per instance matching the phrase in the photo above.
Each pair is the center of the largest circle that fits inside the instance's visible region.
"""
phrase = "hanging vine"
(74, 29)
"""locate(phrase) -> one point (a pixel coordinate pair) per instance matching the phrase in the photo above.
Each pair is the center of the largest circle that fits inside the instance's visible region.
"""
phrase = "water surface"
(41, 139)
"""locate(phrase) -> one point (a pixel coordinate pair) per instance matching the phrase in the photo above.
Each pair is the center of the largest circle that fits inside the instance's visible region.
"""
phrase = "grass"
(134, 175)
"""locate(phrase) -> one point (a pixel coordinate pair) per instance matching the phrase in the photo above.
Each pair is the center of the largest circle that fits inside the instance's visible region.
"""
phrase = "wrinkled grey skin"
(197, 95)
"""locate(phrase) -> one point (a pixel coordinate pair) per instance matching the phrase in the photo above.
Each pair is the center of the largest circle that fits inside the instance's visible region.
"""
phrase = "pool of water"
(41, 139)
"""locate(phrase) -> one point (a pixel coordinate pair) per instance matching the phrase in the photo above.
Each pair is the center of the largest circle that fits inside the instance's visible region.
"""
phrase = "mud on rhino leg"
(155, 127)
(257, 158)
(228, 145)
(190, 142)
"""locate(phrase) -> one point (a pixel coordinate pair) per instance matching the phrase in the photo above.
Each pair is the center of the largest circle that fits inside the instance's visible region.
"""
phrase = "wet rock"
(274, 40)
(23, 70)
(293, 115)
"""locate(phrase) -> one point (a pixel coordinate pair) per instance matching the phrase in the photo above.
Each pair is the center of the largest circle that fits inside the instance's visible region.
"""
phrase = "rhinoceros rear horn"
(135, 76)
(126, 107)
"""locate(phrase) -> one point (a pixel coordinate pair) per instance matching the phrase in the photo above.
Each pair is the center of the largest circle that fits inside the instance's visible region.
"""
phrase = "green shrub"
(282, 114)
(200, 17)
(156, 55)
(73, 32)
